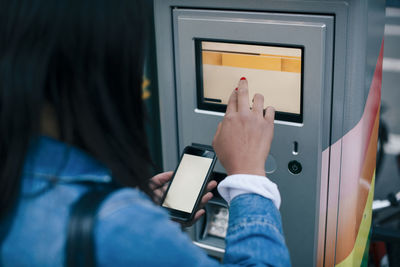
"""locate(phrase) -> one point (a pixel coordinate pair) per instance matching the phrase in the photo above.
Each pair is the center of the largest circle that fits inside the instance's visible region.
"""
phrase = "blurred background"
(385, 246)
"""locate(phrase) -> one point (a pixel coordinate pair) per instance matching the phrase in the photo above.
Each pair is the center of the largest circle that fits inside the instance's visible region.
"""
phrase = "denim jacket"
(130, 229)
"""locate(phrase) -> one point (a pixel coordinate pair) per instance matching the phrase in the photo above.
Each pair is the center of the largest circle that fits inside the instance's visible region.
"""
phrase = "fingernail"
(243, 78)
(272, 109)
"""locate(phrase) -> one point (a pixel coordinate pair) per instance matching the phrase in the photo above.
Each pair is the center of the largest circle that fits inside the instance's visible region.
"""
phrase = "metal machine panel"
(300, 192)
(352, 37)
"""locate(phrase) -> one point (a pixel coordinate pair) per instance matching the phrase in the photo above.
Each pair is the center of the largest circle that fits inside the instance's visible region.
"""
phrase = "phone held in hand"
(188, 182)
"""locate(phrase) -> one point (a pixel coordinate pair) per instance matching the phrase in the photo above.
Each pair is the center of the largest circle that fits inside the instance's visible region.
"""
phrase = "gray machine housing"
(340, 51)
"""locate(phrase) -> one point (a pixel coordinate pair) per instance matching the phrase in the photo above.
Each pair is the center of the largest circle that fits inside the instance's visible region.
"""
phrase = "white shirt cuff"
(239, 184)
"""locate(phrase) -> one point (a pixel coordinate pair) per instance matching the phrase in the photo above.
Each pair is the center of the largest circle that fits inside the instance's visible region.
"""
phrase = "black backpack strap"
(80, 245)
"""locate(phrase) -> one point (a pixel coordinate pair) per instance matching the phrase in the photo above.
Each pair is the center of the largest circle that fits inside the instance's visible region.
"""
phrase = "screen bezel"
(196, 151)
(201, 104)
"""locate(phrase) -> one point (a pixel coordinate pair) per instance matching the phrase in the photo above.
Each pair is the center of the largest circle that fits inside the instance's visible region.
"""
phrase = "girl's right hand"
(243, 138)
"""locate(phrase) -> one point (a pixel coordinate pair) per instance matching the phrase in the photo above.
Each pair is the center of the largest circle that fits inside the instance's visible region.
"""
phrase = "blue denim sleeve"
(132, 231)
(255, 236)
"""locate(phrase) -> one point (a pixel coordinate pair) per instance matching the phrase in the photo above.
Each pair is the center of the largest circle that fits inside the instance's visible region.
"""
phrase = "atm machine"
(319, 63)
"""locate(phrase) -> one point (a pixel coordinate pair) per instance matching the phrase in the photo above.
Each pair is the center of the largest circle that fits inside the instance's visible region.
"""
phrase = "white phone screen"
(187, 183)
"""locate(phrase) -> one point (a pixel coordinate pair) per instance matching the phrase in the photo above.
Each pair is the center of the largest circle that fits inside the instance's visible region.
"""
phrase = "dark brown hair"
(85, 58)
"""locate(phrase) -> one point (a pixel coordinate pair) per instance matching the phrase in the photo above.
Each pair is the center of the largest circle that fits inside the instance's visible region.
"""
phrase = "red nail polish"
(243, 78)
(236, 88)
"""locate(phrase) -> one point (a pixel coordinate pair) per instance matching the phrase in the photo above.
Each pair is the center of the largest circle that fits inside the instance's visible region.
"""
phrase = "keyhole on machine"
(295, 148)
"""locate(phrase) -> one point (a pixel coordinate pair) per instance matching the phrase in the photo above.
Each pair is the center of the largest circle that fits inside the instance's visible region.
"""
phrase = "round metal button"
(270, 165)
(295, 167)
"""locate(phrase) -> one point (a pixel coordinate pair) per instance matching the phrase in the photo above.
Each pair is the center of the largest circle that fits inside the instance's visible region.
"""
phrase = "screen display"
(187, 183)
(273, 71)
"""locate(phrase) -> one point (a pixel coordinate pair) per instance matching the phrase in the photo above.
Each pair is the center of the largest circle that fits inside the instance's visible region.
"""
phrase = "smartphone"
(188, 182)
